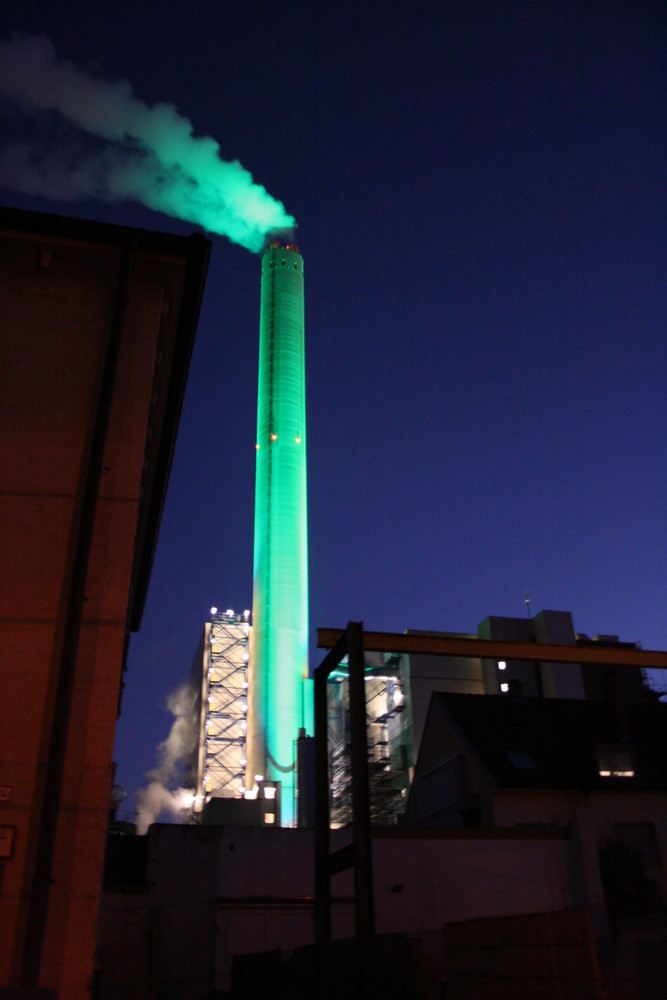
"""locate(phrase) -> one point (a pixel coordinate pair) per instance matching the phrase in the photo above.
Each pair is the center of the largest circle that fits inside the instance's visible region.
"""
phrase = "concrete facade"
(97, 330)
(214, 893)
(213, 896)
(513, 804)
(534, 763)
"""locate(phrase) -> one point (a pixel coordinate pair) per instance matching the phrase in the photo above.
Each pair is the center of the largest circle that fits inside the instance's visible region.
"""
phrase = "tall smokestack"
(279, 649)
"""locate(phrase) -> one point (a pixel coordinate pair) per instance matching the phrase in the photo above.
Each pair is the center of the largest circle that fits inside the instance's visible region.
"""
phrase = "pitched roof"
(562, 743)
(187, 258)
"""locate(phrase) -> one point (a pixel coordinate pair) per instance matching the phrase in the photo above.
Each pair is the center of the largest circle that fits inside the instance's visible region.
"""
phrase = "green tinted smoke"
(151, 153)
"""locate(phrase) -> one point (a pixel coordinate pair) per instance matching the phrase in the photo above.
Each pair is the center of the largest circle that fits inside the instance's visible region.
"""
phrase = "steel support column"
(358, 855)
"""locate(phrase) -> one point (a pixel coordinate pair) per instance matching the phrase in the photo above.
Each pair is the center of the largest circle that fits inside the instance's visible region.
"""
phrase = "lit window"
(504, 688)
(614, 762)
(502, 665)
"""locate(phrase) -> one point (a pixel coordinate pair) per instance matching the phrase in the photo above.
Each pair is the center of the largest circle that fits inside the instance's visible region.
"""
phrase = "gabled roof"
(561, 743)
(183, 262)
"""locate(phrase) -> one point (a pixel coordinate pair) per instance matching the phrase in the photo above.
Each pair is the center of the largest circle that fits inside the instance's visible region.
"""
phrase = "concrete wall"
(425, 674)
(60, 287)
(593, 820)
(217, 892)
(422, 882)
(542, 956)
(561, 680)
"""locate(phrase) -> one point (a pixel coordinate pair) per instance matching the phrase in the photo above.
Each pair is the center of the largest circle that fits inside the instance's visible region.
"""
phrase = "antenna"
(526, 601)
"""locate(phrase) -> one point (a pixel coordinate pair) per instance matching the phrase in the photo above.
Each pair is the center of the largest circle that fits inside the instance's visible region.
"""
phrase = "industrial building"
(498, 877)
(98, 324)
(501, 880)
(400, 685)
(483, 810)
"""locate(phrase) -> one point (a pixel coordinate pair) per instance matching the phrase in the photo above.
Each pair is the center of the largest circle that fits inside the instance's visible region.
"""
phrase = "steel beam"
(492, 649)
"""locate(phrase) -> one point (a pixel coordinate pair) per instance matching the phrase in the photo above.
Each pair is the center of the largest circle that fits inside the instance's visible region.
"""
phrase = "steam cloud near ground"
(174, 753)
(149, 154)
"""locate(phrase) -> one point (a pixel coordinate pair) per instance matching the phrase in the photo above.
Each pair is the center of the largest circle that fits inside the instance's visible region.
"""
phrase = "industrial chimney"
(279, 640)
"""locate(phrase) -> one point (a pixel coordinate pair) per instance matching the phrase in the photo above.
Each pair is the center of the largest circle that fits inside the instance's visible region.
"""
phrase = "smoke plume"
(148, 154)
(155, 800)
(174, 753)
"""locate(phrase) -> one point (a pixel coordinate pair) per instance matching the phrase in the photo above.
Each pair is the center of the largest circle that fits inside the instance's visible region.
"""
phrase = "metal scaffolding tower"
(225, 705)
(388, 775)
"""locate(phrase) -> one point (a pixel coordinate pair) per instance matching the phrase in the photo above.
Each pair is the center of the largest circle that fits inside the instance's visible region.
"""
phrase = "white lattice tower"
(226, 705)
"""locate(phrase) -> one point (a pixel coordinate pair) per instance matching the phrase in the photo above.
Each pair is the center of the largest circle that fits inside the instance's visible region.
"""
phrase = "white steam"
(150, 156)
(174, 754)
(155, 800)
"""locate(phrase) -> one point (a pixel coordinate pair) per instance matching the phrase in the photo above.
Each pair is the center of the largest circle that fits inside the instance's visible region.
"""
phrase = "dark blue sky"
(479, 189)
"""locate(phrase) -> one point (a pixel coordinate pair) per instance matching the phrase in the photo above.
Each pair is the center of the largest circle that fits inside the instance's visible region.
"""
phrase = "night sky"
(479, 190)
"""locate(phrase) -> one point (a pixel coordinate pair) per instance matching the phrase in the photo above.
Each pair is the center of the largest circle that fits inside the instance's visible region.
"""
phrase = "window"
(614, 762)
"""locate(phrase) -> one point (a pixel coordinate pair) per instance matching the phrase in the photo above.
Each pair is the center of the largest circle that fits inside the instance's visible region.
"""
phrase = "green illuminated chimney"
(279, 645)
